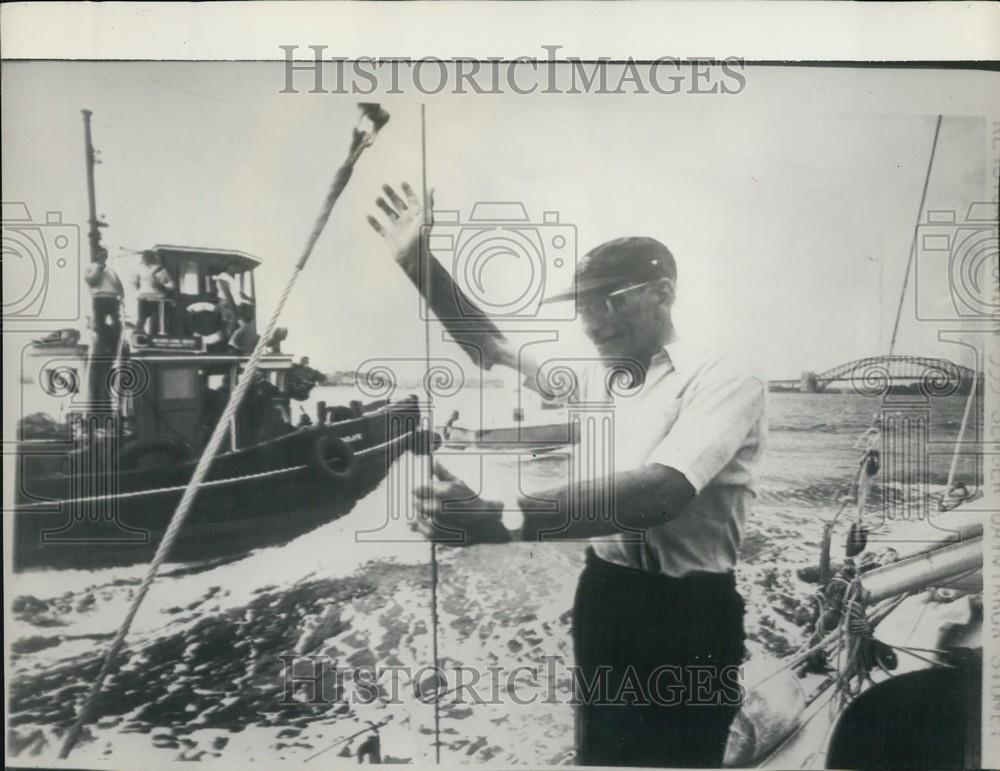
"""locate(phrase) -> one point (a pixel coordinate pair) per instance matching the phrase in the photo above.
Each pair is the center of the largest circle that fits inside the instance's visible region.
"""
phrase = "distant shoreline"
(350, 379)
(911, 389)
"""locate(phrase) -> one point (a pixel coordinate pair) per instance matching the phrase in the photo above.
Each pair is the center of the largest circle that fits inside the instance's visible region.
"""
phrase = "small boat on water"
(521, 437)
(538, 433)
(98, 482)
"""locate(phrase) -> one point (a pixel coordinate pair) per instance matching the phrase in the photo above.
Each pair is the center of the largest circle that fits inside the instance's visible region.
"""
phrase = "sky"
(789, 206)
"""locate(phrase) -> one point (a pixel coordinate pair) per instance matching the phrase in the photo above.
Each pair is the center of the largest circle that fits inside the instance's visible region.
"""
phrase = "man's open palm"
(403, 223)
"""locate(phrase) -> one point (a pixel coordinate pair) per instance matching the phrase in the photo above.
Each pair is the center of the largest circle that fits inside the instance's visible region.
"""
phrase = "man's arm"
(404, 230)
(717, 414)
(466, 322)
(715, 420)
(643, 498)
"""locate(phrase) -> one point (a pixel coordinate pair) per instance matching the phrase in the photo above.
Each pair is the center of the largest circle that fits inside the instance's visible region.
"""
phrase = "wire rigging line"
(961, 434)
(913, 242)
(427, 219)
(360, 141)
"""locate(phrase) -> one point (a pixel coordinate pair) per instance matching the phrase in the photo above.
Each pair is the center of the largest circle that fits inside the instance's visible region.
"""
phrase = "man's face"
(626, 324)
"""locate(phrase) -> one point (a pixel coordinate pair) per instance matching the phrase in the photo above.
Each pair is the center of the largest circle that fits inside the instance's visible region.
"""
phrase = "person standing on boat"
(244, 337)
(106, 293)
(657, 619)
(301, 379)
(155, 289)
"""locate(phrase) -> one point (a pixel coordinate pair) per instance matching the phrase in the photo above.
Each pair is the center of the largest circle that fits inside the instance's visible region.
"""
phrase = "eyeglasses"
(613, 302)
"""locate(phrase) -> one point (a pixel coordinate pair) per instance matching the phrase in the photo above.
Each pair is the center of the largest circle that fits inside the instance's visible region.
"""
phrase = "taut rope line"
(427, 218)
(359, 142)
(961, 434)
(839, 639)
(913, 241)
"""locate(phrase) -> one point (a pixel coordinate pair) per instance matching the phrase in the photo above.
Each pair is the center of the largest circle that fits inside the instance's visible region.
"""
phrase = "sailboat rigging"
(855, 661)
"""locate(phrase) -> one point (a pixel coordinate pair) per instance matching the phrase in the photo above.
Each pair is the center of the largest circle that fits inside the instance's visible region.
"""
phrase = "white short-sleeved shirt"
(703, 414)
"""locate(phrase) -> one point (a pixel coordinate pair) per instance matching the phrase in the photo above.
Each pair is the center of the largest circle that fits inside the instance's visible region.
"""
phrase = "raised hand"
(404, 223)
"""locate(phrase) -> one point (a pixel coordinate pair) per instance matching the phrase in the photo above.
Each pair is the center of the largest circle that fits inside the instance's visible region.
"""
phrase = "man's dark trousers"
(675, 643)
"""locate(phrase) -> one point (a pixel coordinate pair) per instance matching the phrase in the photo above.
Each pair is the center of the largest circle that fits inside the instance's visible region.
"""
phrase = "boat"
(890, 673)
(520, 436)
(537, 426)
(100, 476)
(98, 501)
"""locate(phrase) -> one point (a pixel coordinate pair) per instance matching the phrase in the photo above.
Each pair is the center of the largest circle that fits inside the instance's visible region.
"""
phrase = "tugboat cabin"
(177, 361)
(192, 349)
(208, 292)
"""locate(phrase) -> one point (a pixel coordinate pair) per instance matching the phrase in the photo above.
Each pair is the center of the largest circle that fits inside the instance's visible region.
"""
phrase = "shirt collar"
(673, 353)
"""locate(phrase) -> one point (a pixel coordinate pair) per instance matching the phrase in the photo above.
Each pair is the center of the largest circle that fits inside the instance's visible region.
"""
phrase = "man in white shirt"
(106, 294)
(657, 621)
(154, 289)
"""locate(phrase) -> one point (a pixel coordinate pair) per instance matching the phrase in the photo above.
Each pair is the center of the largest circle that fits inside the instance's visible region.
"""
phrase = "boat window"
(216, 382)
(246, 284)
(178, 383)
(189, 278)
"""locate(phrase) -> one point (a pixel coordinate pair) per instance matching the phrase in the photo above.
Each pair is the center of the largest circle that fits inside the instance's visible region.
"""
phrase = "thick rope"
(359, 143)
(913, 242)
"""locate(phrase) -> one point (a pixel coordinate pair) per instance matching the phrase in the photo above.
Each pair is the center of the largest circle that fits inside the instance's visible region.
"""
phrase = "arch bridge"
(876, 374)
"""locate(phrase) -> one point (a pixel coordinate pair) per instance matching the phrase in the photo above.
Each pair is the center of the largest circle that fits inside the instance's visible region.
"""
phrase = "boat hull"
(263, 495)
(938, 584)
(536, 437)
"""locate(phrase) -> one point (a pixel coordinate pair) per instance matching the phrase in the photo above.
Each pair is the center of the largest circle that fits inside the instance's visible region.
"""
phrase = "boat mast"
(94, 233)
(107, 336)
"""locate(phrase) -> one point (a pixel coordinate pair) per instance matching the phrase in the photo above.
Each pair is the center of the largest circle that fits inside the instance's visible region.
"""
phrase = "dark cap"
(618, 264)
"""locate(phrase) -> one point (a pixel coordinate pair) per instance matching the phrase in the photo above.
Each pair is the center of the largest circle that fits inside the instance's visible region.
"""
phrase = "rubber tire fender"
(345, 464)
